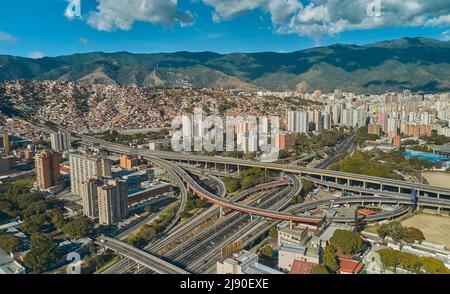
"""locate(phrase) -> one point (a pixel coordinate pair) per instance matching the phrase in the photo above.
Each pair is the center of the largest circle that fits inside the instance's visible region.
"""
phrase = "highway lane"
(144, 258)
(202, 243)
(211, 212)
(394, 195)
(303, 171)
(222, 190)
(182, 229)
(239, 233)
(146, 220)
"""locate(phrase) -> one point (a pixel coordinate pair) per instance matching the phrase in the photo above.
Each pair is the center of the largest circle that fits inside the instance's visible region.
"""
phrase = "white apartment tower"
(60, 141)
(84, 167)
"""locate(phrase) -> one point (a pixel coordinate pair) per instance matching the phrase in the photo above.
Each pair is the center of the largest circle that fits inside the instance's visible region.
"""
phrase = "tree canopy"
(43, 252)
(78, 228)
(10, 243)
(397, 232)
(393, 259)
(319, 269)
(346, 242)
(330, 260)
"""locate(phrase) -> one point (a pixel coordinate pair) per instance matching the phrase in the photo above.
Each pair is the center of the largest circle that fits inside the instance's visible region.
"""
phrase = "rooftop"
(8, 265)
(301, 267)
(349, 265)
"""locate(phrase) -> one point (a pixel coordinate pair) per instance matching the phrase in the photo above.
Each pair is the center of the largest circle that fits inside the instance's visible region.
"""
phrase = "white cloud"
(114, 15)
(315, 18)
(281, 10)
(84, 41)
(5, 37)
(446, 36)
(443, 20)
(36, 55)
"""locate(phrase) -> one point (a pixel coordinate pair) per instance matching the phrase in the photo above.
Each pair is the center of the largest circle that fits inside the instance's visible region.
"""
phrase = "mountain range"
(418, 64)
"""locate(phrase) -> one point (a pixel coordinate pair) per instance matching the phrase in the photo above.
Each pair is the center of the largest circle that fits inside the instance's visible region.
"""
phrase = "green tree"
(433, 266)
(34, 224)
(330, 260)
(273, 233)
(389, 257)
(79, 228)
(56, 218)
(383, 231)
(267, 251)
(43, 252)
(10, 243)
(34, 208)
(414, 234)
(397, 232)
(346, 242)
(319, 269)
(232, 185)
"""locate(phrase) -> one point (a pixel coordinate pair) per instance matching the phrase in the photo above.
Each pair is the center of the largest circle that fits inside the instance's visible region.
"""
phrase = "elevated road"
(210, 213)
(328, 175)
(337, 176)
(222, 190)
(201, 192)
(144, 258)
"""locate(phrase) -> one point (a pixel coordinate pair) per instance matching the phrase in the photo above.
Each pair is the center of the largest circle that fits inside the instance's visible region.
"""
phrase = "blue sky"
(36, 28)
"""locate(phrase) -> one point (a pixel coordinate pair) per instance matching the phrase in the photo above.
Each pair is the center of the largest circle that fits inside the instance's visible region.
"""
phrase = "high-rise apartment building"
(129, 161)
(393, 125)
(106, 199)
(301, 122)
(47, 168)
(6, 143)
(291, 121)
(112, 202)
(7, 162)
(318, 126)
(336, 111)
(374, 129)
(84, 167)
(347, 117)
(359, 118)
(60, 141)
(90, 198)
(326, 121)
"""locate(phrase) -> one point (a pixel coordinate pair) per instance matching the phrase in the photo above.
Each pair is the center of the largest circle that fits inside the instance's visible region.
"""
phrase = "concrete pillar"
(251, 217)
(221, 212)
(290, 224)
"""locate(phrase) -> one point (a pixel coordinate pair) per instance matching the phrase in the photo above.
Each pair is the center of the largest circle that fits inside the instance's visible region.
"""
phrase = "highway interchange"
(192, 256)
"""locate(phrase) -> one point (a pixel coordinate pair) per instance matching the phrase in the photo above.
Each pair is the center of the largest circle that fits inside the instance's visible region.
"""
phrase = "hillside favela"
(272, 137)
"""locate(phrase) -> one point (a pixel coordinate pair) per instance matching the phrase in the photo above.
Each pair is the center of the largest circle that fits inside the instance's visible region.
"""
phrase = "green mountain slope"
(408, 63)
